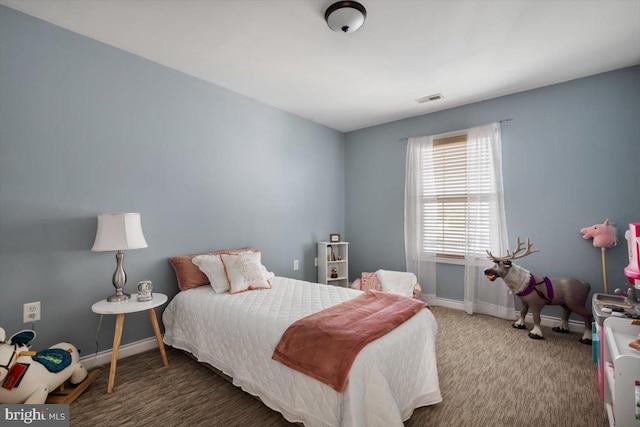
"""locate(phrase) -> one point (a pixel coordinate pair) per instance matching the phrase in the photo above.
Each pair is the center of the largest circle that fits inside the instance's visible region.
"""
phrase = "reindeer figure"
(536, 293)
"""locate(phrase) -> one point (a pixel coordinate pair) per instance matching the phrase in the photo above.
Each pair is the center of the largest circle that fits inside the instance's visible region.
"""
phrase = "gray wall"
(86, 128)
(571, 159)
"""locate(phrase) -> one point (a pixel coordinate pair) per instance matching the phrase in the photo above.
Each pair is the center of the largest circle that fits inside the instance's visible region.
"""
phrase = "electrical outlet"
(296, 265)
(31, 312)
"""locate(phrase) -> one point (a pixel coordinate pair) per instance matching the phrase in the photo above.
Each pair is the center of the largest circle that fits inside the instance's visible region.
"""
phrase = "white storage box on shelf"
(621, 372)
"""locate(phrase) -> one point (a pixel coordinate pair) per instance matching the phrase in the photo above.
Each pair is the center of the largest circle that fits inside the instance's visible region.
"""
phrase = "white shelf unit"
(621, 371)
(326, 263)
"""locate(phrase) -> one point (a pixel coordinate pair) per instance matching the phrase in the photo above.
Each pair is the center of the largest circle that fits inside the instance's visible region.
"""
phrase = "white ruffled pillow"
(212, 267)
(245, 272)
(397, 282)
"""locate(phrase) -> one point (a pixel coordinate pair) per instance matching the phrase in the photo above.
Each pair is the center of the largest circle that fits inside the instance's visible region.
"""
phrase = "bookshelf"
(333, 256)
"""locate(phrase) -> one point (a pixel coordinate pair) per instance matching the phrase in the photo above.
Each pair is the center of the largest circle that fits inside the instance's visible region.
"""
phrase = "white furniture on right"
(621, 372)
(333, 257)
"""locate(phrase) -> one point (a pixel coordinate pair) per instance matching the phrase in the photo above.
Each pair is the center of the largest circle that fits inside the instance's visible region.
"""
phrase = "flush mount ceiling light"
(345, 16)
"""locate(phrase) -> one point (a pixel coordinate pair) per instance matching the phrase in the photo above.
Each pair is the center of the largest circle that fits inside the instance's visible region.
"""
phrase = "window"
(454, 212)
(455, 195)
(445, 197)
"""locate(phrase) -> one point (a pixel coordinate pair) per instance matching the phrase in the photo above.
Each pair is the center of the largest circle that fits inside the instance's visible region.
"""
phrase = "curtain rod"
(444, 133)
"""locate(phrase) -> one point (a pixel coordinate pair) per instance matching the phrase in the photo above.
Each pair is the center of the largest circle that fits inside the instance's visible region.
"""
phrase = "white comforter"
(237, 334)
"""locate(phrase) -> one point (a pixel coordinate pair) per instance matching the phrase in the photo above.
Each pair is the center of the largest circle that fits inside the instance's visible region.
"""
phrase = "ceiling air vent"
(429, 98)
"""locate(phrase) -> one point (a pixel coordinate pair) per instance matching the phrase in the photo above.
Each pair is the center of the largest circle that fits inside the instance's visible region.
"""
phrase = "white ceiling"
(281, 52)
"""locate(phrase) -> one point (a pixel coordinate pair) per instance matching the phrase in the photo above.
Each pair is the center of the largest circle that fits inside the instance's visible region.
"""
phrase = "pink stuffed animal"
(603, 235)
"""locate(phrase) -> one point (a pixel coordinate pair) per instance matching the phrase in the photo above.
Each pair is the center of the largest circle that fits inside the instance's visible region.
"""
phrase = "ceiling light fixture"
(345, 16)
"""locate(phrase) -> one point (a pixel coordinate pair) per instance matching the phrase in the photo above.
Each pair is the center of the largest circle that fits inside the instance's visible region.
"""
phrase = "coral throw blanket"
(325, 344)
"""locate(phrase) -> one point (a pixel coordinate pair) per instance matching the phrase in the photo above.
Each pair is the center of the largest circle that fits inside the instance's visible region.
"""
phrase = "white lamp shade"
(119, 231)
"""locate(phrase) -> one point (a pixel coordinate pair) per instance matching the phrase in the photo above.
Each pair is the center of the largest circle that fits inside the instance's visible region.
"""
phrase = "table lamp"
(119, 232)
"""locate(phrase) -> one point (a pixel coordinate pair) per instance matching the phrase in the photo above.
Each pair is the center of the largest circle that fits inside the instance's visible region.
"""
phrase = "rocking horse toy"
(604, 237)
(536, 293)
(28, 377)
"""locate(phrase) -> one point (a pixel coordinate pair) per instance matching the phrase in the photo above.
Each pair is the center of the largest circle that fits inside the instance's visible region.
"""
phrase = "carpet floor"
(490, 375)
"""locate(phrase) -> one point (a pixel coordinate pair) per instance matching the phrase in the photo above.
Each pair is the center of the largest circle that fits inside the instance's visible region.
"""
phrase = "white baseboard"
(104, 357)
(548, 321)
(447, 303)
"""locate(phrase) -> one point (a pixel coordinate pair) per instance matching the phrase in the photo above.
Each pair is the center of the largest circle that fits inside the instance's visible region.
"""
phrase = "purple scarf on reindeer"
(532, 287)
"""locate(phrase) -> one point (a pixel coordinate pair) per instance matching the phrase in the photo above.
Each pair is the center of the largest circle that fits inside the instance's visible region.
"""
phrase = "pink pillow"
(357, 284)
(188, 274)
(370, 281)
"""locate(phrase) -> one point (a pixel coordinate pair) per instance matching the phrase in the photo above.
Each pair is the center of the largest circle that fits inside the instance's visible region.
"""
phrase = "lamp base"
(119, 280)
(118, 297)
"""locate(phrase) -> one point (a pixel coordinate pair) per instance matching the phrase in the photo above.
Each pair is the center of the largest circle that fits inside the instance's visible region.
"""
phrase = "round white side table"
(120, 308)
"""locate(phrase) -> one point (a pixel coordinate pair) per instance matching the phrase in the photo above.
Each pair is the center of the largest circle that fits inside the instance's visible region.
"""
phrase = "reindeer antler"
(515, 254)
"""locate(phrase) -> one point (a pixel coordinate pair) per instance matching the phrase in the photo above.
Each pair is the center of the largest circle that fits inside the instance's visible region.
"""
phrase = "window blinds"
(454, 202)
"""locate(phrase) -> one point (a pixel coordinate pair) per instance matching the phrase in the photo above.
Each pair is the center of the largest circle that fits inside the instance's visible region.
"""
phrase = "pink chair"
(371, 281)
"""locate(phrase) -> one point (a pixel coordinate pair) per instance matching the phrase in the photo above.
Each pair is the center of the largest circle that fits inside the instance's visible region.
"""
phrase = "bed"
(237, 334)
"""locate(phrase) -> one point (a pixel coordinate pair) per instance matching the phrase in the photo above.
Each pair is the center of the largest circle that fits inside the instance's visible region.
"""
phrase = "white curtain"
(416, 166)
(484, 156)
